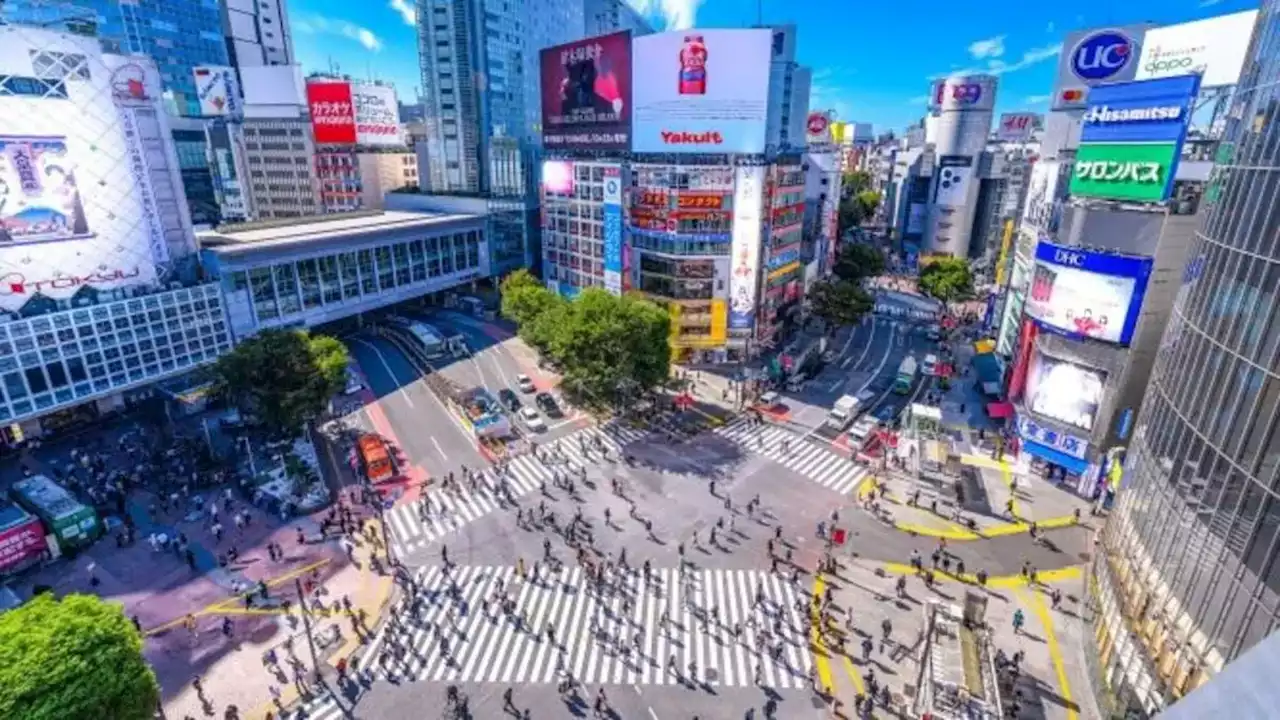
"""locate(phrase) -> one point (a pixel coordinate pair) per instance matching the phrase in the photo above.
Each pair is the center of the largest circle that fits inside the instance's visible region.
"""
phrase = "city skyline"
(1006, 39)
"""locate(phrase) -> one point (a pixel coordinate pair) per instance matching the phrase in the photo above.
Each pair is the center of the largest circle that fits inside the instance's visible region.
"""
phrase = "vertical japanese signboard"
(613, 229)
(748, 197)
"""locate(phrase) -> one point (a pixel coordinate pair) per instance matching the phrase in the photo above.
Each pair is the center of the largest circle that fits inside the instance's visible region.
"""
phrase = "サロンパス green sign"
(1136, 172)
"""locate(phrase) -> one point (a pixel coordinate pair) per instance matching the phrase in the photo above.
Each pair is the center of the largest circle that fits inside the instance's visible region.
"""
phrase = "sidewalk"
(1053, 684)
(233, 671)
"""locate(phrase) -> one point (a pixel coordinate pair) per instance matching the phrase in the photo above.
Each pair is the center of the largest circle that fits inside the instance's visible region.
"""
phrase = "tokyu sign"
(1132, 172)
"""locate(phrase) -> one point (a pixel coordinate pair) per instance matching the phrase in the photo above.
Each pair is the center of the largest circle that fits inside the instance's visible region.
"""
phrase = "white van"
(930, 365)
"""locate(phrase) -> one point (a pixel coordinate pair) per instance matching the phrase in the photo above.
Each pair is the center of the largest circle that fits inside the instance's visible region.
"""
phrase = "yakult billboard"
(701, 91)
(586, 93)
(333, 119)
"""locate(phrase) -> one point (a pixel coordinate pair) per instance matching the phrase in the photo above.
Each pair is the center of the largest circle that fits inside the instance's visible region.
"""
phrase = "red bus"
(376, 458)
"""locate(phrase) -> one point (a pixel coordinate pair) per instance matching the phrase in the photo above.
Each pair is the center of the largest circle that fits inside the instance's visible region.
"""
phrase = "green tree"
(283, 378)
(839, 302)
(857, 261)
(611, 347)
(75, 659)
(947, 279)
(854, 182)
(524, 298)
(868, 202)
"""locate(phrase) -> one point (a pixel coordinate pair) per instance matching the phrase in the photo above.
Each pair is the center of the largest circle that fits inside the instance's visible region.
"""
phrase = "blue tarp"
(1057, 457)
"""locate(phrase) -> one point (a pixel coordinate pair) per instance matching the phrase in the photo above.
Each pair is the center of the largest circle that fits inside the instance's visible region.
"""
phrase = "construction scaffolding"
(957, 679)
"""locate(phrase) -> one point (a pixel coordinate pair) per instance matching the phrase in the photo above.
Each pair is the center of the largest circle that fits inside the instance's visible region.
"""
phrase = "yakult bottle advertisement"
(701, 91)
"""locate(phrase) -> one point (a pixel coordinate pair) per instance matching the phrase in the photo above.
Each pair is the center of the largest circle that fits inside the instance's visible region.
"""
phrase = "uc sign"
(1101, 55)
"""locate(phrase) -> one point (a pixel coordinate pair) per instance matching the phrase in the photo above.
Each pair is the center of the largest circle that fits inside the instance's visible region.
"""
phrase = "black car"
(548, 405)
(509, 400)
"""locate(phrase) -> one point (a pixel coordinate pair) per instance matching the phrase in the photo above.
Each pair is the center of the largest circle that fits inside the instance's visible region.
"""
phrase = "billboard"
(702, 91)
(586, 93)
(557, 176)
(818, 129)
(1063, 391)
(1017, 127)
(613, 229)
(1213, 48)
(1131, 137)
(1039, 214)
(217, 90)
(377, 116)
(748, 198)
(41, 194)
(963, 92)
(1093, 57)
(333, 120)
(1086, 294)
(954, 175)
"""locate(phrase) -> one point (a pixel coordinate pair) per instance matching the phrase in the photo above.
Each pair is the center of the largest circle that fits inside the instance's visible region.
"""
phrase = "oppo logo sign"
(1069, 258)
(1101, 55)
(1168, 65)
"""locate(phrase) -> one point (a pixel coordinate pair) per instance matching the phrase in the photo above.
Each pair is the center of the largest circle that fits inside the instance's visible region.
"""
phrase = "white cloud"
(995, 66)
(406, 10)
(675, 14)
(1036, 99)
(317, 25)
(992, 47)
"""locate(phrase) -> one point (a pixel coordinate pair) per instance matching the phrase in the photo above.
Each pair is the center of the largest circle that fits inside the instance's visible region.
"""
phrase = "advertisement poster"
(1213, 48)
(1031, 430)
(748, 197)
(377, 116)
(333, 120)
(818, 129)
(1084, 294)
(586, 93)
(963, 92)
(1094, 57)
(702, 91)
(1017, 127)
(954, 174)
(613, 229)
(39, 197)
(1042, 202)
(19, 542)
(1064, 391)
(1134, 172)
(557, 176)
(217, 90)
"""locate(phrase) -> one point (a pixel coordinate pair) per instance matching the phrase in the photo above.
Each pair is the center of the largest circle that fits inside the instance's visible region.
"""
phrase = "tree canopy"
(609, 348)
(839, 302)
(854, 182)
(283, 378)
(75, 659)
(856, 208)
(947, 279)
(859, 260)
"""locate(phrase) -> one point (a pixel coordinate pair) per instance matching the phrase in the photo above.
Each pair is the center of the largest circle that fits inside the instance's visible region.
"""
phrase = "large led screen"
(586, 94)
(1064, 391)
(1087, 294)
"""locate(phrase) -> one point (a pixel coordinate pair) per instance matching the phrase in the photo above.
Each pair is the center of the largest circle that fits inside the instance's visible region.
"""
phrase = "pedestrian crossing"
(440, 512)
(560, 623)
(782, 446)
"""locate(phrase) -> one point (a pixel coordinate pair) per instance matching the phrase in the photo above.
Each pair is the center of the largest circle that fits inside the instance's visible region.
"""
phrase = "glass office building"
(176, 35)
(1188, 573)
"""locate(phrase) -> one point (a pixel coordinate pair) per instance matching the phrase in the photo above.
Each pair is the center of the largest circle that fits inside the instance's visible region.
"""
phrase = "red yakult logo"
(684, 137)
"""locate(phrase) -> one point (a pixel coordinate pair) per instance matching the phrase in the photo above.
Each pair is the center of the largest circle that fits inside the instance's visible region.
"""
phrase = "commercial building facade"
(1187, 577)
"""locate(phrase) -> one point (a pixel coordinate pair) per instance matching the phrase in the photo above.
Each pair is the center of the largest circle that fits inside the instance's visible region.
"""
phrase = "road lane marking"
(403, 389)
(1055, 651)
(439, 449)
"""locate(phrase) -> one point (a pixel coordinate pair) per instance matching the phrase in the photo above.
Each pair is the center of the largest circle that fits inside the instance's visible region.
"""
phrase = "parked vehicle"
(510, 400)
(547, 403)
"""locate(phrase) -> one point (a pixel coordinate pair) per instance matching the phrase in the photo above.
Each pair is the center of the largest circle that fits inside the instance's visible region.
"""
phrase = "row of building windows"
(289, 288)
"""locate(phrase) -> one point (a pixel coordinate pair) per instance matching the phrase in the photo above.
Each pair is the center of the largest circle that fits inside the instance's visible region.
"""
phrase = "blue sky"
(872, 59)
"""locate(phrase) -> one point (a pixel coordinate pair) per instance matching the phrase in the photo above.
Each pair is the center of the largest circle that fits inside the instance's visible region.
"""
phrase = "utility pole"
(306, 625)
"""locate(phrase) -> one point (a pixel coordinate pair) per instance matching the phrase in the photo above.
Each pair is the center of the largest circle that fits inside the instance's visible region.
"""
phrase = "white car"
(863, 427)
(525, 383)
(532, 419)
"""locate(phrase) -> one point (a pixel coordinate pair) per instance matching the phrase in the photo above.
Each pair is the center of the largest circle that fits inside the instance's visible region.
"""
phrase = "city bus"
(906, 376)
(375, 458)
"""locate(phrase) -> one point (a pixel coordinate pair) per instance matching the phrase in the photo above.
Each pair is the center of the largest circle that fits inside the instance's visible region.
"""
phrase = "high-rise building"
(605, 16)
(176, 35)
(257, 32)
(1188, 574)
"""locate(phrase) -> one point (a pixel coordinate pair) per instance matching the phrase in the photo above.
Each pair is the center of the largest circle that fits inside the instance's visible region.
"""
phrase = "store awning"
(1073, 465)
(998, 410)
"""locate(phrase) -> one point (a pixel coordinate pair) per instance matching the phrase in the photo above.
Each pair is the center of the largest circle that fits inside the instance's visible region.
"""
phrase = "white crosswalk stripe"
(801, 456)
(412, 530)
(594, 635)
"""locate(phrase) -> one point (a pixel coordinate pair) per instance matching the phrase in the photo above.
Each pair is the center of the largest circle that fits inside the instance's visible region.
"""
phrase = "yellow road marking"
(1055, 652)
(820, 658)
(1070, 572)
(854, 676)
(220, 606)
(962, 535)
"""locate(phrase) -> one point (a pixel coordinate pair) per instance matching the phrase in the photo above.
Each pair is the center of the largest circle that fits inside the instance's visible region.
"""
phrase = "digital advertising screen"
(557, 176)
(702, 91)
(586, 93)
(1064, 391)
(1087, 294)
